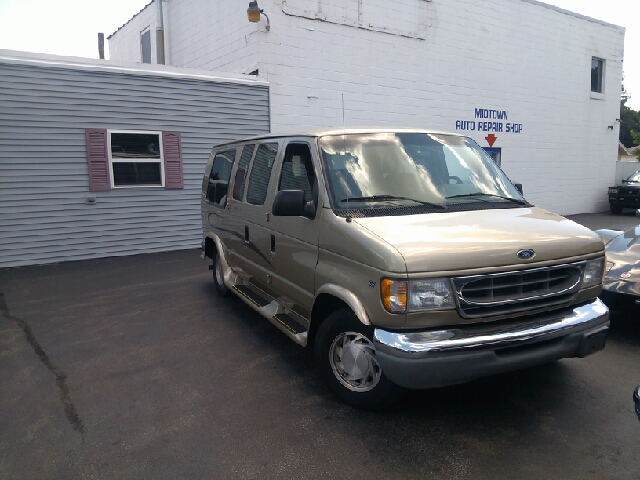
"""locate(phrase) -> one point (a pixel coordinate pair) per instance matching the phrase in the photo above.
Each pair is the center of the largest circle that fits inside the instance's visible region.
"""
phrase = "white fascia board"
(90, 64)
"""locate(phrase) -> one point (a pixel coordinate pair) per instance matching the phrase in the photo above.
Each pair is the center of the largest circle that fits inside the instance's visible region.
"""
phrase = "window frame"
(284, 156)
(208, 176)
(601, 78)
(137, 160)
(142, 32)
(276, 159)
(236, 167)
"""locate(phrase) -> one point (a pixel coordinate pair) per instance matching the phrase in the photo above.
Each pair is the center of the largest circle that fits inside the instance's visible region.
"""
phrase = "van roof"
(338, 131)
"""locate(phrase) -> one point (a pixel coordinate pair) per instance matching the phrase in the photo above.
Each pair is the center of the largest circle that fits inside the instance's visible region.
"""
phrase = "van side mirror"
(518, 187)
(288, 203)
(624, 180)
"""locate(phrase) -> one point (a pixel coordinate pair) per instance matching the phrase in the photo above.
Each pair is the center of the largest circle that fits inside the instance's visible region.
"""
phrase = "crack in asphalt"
(61, 378)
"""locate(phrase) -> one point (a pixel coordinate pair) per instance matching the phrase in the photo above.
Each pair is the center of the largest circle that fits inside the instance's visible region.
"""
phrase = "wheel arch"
(329, 299)
(209, 246)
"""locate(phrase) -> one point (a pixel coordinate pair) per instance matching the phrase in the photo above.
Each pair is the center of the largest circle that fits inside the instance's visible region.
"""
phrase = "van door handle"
(273, 244)
(246, 234)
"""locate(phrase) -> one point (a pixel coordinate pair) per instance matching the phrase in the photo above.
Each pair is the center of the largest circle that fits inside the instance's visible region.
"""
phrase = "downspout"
(159, 34)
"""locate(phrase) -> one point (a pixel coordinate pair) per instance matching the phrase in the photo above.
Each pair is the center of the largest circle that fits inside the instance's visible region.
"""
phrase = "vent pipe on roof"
(101, 45)
(159, 34)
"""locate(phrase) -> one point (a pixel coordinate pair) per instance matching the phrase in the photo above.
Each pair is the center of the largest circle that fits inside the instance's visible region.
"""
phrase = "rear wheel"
(346, 358)
(218, 276)
(615, 209)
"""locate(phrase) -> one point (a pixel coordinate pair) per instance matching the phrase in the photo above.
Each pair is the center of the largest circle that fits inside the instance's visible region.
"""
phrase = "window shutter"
(172, 160)
(99, 178)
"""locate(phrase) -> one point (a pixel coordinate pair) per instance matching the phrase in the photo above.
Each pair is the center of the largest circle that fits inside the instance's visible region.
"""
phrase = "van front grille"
(517, 291)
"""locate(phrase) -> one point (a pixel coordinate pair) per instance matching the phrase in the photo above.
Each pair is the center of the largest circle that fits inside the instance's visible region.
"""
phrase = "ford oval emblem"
(526, 254)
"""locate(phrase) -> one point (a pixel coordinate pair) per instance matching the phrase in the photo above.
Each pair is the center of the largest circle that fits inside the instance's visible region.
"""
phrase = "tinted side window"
(297, 170)
(261, 173)
(219, 177)
(241, 173)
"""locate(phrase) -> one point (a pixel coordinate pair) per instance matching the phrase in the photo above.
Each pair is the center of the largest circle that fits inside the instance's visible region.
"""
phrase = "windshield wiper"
(480, 194)
(386, 198)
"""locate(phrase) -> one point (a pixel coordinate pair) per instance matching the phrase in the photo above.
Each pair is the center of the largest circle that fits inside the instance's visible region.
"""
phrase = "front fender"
(347, 297)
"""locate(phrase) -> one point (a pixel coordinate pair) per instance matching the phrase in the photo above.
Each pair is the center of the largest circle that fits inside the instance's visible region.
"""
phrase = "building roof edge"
(125, 23)
(573, 14)
(94, 64)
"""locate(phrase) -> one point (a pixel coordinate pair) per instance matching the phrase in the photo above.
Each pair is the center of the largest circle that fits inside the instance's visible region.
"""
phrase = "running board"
(274, 312)
(250, 295)
(289, 323)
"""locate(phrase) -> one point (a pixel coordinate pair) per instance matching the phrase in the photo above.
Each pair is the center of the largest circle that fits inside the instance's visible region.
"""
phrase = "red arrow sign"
(491, 139)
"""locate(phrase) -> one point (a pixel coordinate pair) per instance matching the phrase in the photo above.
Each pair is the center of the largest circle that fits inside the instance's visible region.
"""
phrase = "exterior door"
(255, 213)
(233, 229)
(294, 241)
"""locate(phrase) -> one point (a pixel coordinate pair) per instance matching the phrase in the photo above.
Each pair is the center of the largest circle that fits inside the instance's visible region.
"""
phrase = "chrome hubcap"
(353, 361)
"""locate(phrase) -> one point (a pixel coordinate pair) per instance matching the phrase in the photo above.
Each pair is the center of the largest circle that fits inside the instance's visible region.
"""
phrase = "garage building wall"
(430, 64)
(45, 107)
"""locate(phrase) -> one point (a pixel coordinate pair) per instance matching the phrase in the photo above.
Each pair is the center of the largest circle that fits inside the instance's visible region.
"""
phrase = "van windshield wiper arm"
(480, 194)
(385, 198)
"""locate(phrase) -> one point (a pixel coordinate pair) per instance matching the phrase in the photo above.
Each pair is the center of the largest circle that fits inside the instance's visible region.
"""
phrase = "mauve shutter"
(172, 160)
(99, 180)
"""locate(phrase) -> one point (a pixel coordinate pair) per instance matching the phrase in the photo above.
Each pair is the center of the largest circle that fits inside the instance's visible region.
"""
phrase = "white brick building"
(443, 64)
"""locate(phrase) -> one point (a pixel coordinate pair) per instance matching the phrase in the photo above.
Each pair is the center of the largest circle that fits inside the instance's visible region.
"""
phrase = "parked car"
(626, 194)
(404, 258)
(621, 286)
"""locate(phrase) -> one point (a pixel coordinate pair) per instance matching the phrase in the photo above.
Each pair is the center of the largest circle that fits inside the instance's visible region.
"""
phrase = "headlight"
(402, 296)
(613, 190)
(593, 272)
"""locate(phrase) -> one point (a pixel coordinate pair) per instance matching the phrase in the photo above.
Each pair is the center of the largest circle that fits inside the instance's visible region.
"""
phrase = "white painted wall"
(128, 47)
(428, 64)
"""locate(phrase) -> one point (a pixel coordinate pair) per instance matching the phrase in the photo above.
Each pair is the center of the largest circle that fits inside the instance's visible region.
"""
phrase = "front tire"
(346, 358)
(615, 209)
(218, 276)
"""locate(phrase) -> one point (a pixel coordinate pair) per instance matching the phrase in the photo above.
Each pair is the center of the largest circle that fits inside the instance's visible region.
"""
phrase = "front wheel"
(346, 358)
(218, 276)
(615, 209)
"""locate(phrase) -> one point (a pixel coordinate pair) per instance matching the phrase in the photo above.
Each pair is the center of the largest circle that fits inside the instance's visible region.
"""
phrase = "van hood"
(440, 242)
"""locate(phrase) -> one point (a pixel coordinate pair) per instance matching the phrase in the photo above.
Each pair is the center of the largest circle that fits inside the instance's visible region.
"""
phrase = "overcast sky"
(70, 27)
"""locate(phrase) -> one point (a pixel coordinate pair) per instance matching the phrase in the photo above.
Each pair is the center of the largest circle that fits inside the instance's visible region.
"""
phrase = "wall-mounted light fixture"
(254, 12)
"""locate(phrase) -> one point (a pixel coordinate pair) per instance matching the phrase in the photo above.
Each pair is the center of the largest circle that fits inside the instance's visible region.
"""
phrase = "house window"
(136, 159)
(597, 71)
(145, 46)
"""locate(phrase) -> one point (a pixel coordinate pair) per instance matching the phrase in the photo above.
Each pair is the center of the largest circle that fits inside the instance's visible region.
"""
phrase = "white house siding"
(430, 64)
(45, 106)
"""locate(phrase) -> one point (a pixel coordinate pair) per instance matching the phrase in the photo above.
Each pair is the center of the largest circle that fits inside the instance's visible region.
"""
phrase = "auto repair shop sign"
(490, 121)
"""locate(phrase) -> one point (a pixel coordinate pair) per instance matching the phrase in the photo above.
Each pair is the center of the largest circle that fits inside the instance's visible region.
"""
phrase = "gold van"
(405, 258)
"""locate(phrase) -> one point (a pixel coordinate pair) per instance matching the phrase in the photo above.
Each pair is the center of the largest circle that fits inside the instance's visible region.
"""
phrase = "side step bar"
(250, 295)
(274, 312)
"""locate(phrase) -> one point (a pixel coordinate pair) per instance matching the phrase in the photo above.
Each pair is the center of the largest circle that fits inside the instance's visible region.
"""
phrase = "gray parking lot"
(133, 367)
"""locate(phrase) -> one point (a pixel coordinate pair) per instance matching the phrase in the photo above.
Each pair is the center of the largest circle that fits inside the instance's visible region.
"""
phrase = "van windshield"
(379, 170)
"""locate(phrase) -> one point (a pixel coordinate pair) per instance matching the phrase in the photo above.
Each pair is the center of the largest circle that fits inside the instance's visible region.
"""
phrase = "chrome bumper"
(444, 357)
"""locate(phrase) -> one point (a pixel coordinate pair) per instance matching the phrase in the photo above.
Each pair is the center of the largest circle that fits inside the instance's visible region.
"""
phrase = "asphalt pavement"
(133, 367)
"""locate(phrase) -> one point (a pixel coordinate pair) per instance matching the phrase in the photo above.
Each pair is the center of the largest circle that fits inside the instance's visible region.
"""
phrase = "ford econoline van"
(405, 258)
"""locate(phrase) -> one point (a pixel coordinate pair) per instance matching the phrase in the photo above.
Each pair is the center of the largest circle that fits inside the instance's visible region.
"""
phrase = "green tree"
(636, 137)
(629, 120)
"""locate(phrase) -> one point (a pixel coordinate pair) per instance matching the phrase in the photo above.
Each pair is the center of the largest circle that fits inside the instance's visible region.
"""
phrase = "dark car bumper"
(428, 359)
(626, 200)
(621, 301)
